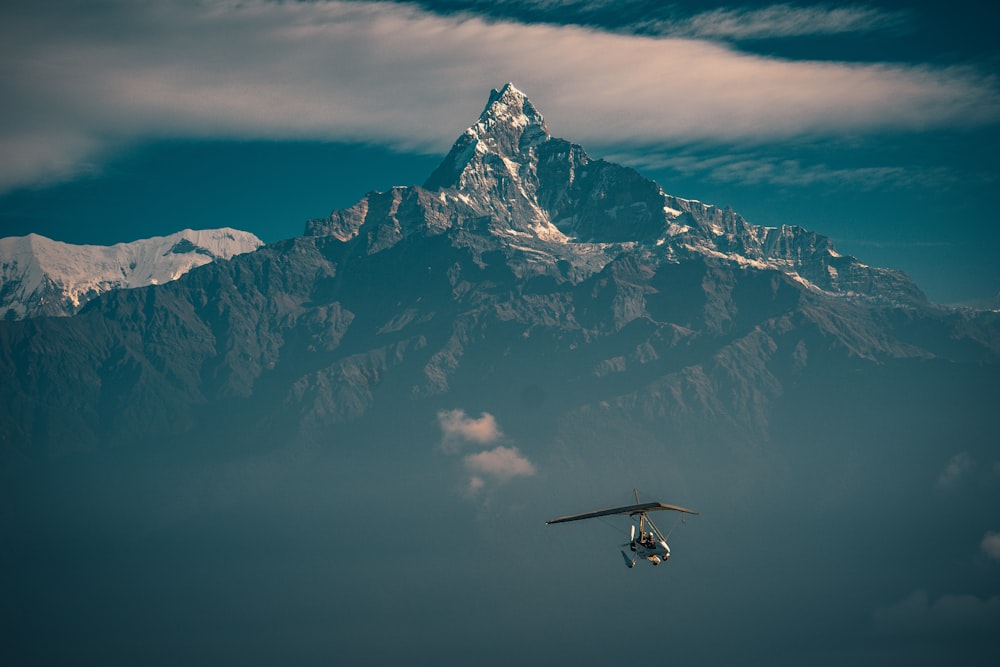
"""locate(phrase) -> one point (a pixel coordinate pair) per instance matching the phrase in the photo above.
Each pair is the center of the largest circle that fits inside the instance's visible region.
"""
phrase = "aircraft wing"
(641, 508)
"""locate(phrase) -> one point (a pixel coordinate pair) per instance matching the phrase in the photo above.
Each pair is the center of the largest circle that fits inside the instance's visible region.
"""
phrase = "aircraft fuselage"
(655, 551)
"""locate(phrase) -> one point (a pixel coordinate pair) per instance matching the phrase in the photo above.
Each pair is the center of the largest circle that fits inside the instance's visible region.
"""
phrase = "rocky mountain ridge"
(521, 275)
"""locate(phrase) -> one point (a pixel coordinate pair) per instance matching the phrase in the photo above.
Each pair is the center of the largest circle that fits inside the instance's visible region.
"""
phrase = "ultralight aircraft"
(650, 543)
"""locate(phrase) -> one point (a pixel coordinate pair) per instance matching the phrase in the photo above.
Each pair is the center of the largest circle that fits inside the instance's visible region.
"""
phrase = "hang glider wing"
(641, 508)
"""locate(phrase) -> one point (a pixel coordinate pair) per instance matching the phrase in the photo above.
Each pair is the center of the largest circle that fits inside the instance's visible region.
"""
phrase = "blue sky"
(874, 123)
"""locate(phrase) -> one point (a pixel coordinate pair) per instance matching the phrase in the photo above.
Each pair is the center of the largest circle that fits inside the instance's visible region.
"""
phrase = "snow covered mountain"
(531, 189)
(39, 276)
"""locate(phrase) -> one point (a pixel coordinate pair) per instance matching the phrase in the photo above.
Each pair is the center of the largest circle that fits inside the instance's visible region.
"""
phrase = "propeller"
(631, 537)
(631, 540)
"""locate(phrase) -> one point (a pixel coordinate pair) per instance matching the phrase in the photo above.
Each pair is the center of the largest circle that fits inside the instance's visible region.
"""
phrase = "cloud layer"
(80, 82)
(666, 19)
(958, 468)
(946, 615)
(783, 20)
(755, 167)
(991, 544)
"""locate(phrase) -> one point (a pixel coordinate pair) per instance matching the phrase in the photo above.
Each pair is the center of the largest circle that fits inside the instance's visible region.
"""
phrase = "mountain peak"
(506, 94)
(508, 104)
(509, 127)
(510, 122)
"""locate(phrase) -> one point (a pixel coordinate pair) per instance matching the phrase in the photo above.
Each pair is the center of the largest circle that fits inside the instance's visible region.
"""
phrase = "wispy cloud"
(957, 469)
(784, 20)
(80, 82)
(948, 614)
(666, 19)
(751, 168)
(991, 544)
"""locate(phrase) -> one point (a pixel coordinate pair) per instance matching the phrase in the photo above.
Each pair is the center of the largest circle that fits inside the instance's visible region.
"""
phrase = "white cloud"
(77, 89)
(458, 428)
(948, 614)
(493, 466)
(958, 467)
(500, 463)
(991, 544)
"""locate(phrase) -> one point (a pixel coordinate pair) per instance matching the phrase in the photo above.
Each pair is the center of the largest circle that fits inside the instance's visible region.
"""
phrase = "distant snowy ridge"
(39, 276)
